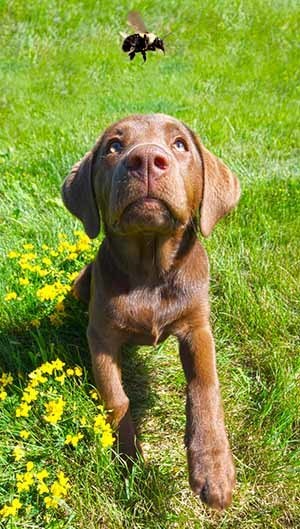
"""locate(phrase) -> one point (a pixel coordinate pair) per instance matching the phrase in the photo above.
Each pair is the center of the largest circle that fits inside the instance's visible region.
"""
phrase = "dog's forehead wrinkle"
(118, 131)
(156, 125)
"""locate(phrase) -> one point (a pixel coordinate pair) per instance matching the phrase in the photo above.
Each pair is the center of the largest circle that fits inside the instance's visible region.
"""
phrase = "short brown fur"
(147, 178)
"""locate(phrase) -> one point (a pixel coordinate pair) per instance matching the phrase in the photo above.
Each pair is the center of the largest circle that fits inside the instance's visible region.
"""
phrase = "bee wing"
(136, 21)
(167, 35)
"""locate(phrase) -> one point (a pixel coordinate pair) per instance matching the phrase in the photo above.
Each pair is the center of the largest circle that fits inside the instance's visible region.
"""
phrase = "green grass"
(230, 72)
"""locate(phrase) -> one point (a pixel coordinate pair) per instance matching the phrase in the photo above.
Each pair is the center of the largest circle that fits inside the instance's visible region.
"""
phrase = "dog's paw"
(212, 476)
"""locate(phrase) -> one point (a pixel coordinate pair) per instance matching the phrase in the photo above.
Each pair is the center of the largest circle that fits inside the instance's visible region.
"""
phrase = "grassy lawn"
(230, 73)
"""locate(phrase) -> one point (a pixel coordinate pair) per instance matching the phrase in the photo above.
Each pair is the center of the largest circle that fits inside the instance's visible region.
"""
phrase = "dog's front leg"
(211, 468)
(107, 372)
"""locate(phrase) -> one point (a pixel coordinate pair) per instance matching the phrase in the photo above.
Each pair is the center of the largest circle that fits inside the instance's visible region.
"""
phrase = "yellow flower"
(54, 409)
(78, 371)
(16, 504)
(58, 490)
(83, 243)
(45, 247)
(102, 427)
(28, 257)
(53, 253)
(24, 281)
(72, 276)
(107, 439)
(82, 235)
(43, 474)
(11, 510)
(37, 377)
(12, 254)
(50, 502)
(83, 421)
(18, 452)
(24, 481)
(28, 246)
(10, 295)
(3, 394)
(47, 367)
(58, 364)
(94, 395)
(56, 319)
(35, 323)
(30, 394)
(42, 488)
(60, 307)
(68, 439)
(61, 378)
(73, 439)
(6, 379)
(61, 248)
(63, 480)
(66, 246)
(61, 289)
(26, 266)
(47, 261)
(40, 271)
(29, 466)
(48, 292)
(23, 410)
(99, 423)
(70, 372)
(60, 298)
(72, 256)
(24, 434)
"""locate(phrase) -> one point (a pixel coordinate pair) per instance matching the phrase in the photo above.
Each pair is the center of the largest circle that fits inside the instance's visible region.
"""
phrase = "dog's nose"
(147, 161)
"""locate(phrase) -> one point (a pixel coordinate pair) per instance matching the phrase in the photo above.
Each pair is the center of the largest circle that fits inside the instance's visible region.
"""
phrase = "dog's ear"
(221, 189)
(79, 197)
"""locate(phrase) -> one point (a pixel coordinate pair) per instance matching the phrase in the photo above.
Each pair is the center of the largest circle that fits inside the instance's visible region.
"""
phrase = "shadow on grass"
(23, 348)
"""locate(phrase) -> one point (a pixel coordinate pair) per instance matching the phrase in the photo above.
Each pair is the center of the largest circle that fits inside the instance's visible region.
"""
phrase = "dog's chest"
(145, 314)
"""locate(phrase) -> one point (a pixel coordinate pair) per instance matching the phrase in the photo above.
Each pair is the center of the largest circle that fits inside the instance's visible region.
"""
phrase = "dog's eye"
(114, 146)
(180, 145)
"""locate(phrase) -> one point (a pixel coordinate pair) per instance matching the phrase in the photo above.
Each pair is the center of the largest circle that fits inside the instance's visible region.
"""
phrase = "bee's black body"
(142, 41)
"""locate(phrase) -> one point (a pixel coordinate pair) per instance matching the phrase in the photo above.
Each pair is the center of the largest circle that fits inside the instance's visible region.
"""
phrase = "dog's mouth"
(147, 204)
(147, 214)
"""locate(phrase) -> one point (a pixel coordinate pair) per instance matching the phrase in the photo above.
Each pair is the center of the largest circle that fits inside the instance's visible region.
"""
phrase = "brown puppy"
(148, 177)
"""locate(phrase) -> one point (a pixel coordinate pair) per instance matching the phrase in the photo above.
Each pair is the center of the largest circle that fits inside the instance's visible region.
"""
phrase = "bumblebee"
(142, 41)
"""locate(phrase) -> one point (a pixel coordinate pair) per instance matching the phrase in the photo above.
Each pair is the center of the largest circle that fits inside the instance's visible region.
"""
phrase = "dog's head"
(149, 173)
